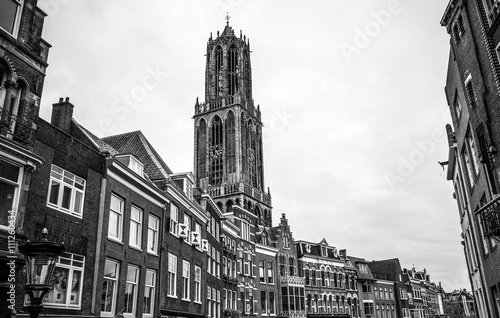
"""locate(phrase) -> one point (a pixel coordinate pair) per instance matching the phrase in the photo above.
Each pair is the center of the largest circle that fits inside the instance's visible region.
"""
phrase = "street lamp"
(41, 257)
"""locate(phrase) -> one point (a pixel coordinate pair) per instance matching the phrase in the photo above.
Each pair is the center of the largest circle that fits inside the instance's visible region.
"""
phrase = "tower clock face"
(216, 151)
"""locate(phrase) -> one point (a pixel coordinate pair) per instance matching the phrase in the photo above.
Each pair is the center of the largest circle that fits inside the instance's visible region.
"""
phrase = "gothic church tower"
(228, 153)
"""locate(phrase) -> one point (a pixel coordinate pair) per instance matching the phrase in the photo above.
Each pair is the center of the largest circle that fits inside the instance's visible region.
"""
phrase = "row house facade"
(422, 294)
(389, 274)
(23, 64)
(325, 278)
(473, 94)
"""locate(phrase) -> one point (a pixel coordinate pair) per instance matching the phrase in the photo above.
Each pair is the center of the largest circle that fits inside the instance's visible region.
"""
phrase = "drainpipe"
(98, 242)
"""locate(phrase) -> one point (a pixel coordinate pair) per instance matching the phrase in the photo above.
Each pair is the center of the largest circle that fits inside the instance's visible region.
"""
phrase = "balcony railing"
(490, 217)
(18, 128)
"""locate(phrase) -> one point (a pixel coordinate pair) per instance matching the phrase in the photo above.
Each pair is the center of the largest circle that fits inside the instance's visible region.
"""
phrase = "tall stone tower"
(228, 153)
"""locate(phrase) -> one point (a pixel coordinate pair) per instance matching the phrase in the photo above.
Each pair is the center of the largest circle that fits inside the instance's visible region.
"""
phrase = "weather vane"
(227, 18)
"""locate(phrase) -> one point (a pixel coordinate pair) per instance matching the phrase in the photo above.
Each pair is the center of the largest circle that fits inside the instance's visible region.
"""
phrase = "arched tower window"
(244, 147)
(218, 67)
(247, 75)
(230, 146)
(201, 142)
(232, 74)
(216, 150)
(250, 134)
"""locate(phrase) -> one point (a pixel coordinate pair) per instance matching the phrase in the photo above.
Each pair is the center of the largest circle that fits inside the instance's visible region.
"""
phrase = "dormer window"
(135, 165)
(132, 163)
(11, 14)
(323, 251)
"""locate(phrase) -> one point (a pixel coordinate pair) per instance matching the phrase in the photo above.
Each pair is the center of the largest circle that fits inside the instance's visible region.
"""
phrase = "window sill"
(153, 253)
(186, 299)
(137, 248)
(172, 296)
(114, 239)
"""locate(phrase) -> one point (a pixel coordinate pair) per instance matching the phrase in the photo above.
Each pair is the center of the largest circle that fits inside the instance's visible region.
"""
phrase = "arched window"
(232, 74)
(229, 206)
(230, 147)
(250, 134)
(201, 142)
(247, 75)
(218, 67)
(216, 151)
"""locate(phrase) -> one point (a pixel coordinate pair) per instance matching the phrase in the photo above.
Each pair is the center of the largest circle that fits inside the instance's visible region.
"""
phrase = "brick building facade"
(473, 93)
(23, 62)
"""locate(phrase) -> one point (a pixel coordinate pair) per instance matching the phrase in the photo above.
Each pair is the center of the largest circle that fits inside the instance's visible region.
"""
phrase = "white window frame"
(118, 226)
(16, 185)
(172, 276)
(17, 19)
(245, 231)
(150, 290)
(270, 272)
(133, 283)
(66, 283)
(197, 284)
(66, 180)
(135, 233)
(188, 222)
(114, 290)
(186, 278)
(174, 220)
(197, 229)
(153, 230)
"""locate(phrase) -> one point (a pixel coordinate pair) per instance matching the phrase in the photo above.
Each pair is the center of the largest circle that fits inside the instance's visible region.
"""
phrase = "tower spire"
(227, 18)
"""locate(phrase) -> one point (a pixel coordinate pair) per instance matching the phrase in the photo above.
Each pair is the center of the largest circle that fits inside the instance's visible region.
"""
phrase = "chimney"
(62, 113)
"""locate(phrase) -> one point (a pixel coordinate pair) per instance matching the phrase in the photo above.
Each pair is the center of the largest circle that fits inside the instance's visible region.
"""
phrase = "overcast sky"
(351, 94)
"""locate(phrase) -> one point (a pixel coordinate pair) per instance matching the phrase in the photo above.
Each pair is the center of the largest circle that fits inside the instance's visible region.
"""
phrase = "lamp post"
(41, 257)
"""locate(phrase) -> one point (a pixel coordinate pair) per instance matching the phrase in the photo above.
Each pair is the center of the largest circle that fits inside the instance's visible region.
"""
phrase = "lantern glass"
(40, 266)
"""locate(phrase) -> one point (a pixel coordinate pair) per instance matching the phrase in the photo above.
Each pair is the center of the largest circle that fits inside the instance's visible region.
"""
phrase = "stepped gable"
(136, 144)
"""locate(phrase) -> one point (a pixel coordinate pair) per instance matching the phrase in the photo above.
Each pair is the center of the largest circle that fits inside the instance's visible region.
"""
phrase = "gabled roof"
(362, 275)
(135, 143)
(99, 143)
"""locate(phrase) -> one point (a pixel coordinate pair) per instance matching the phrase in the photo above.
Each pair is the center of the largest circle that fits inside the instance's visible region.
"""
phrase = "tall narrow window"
(218, 67)
(233, 74)
(115, 225)
(197, 284)
(149, 293)
(216, 152)
(270, 272)
(187, 223)
(131, 289)
(172, 275)
(230, 145)
(457, 106)
(109, 288)
(469, 89)
(186, 276)
(135, 236)
(261, 270)
(174, 219)
(153, 228)
(201, 137)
